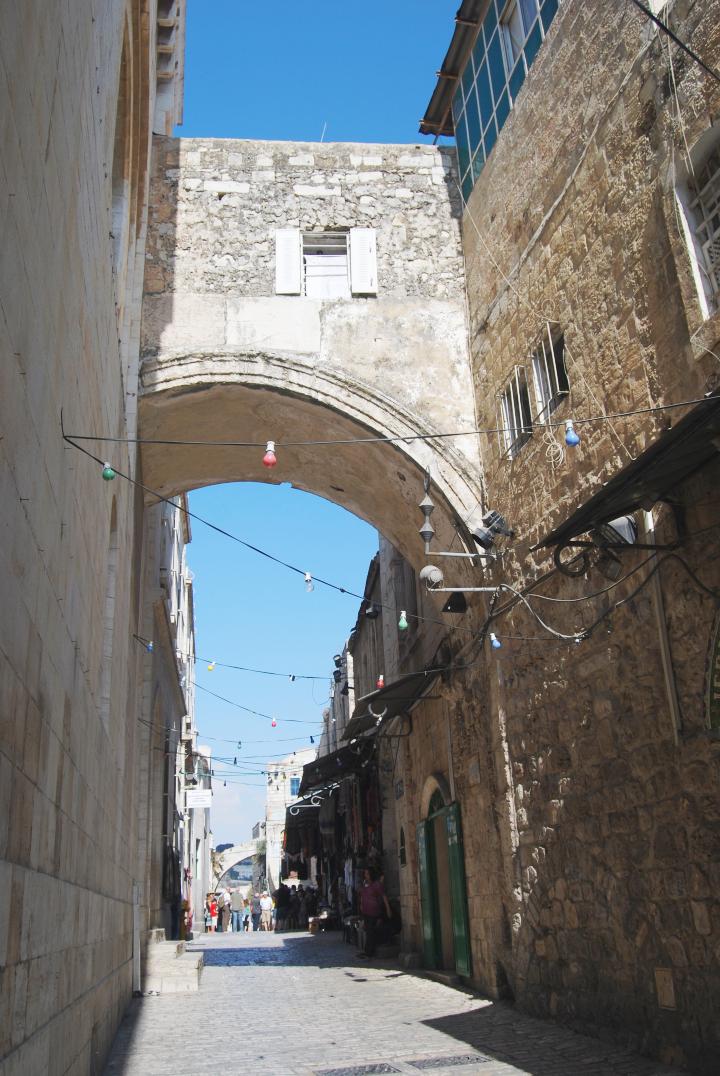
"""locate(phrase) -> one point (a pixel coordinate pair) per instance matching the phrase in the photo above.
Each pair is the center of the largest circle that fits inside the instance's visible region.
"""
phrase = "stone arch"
(232, 856)
(257, 396)
(435, 782)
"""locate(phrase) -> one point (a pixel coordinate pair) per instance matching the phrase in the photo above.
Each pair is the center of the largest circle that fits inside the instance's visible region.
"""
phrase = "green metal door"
(458, 891)
(426, 863)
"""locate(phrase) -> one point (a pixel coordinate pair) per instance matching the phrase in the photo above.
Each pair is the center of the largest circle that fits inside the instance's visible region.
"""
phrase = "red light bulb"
(274, 723)
(270, 459)
(380, 681)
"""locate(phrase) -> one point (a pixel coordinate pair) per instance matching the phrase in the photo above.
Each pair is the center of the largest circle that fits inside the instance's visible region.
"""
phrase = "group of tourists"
(227, 910)
(293, 906)
(289, 908)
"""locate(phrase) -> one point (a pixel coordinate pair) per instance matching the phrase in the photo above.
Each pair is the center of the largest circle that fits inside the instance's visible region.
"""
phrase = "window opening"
(549, 374)
(514, 414)
(516, 23)
(294, 786)
(704, 210)
(507, 43)
(403, 850)
(325, 265)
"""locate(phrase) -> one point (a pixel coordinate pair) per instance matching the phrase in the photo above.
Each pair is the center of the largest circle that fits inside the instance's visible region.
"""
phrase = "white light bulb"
(309, 585)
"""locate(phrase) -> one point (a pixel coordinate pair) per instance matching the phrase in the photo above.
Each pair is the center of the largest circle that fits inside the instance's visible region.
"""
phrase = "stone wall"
(68, 575)
(223, 352)
(612, 840)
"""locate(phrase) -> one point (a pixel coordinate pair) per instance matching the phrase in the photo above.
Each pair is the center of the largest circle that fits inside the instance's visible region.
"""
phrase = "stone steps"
(168, 968)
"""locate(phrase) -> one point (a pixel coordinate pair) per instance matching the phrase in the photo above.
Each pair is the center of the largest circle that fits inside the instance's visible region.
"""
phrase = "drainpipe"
(665, 654)
(136, 938)
(451, 768)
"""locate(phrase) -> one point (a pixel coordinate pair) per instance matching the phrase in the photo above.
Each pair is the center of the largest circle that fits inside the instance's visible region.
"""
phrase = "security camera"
(493, 524)
(432, 576)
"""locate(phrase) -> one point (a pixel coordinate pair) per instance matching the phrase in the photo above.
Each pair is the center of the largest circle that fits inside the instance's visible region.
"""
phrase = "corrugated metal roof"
(438, 115)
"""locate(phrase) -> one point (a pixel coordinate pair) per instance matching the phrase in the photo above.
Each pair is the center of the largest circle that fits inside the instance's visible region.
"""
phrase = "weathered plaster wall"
(616, 922)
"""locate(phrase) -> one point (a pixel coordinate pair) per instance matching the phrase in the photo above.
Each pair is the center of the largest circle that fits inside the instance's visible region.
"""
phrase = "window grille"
(549, 375)
(704, 208)
(514, 417)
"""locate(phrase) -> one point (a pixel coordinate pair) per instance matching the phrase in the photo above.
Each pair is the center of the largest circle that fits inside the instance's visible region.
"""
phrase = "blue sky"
(364, 73)
(284, 70)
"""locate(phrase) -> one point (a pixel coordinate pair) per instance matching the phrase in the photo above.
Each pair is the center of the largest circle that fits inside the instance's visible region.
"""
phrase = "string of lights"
(109, 473)
(256, 713)
(72, 438)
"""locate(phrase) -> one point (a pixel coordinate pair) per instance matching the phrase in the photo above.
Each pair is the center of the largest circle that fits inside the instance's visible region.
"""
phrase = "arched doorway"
(443, 895)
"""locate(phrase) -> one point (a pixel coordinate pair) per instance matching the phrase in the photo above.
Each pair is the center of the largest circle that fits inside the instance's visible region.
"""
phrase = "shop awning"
(328, 768)
(388, 702)
(668, 462)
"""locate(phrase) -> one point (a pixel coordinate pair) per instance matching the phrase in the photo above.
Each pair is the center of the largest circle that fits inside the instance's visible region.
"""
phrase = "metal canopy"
(438, 117)
(668, 462)
(330, 767)
(388, 702)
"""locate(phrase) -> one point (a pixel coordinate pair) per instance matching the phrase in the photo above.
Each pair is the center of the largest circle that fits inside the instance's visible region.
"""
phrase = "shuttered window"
(288, 264)
(363, 261)
(704, 208)
(325, 265)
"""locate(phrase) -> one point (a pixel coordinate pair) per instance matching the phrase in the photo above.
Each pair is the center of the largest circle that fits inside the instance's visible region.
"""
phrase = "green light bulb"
(108, 473)
(402, 622)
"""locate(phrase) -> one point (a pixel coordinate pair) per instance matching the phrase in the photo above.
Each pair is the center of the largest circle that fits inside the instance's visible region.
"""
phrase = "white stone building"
(284, 777)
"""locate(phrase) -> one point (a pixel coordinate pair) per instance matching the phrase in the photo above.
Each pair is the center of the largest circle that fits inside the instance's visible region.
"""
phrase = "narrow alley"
(285, 1004)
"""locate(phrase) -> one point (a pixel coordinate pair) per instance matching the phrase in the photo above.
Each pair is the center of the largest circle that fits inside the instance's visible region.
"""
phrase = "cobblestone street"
(297, 1004)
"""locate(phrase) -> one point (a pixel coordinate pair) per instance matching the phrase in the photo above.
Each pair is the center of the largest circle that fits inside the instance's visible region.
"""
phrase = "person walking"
(246, 915)
(375, 910)
(281, 896)
(266, 907)
(213, 906)
(255, 911)
(237, 905)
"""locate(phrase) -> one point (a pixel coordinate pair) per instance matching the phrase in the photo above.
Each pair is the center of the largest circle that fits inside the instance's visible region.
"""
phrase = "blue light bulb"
(571, 438)
(494, 641)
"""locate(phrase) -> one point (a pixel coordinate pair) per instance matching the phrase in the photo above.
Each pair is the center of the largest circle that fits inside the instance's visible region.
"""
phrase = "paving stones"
(299, 1005)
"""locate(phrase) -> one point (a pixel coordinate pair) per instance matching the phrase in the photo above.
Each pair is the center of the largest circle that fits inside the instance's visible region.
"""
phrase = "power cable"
(681, 44)
(72, 438)
(253, 548)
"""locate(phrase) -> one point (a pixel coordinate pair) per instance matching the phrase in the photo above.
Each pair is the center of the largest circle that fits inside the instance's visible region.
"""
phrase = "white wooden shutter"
(363, 261)
(288, 262)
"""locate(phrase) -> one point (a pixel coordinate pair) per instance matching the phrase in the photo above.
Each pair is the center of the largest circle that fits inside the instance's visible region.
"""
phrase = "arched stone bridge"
(230, 856)
(242, 342)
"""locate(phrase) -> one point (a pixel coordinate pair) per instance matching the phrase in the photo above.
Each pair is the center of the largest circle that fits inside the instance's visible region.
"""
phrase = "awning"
(388, 702)
(438, 117)
(668, 462)
(328, 768)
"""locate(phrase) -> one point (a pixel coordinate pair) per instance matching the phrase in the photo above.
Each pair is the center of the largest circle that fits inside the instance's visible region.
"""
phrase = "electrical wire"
(253, 548)
(255, 713)
(72, 438)
(681, 44)
(240, 668)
